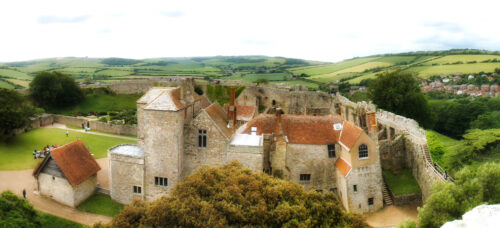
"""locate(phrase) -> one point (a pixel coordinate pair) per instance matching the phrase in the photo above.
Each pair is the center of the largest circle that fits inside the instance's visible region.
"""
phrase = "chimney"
(278, 121)
(371, 124)
(232, 110)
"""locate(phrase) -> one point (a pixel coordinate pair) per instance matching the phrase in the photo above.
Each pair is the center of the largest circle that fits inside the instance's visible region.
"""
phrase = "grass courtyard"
(401, 182)
(17, 154)
(101, 204)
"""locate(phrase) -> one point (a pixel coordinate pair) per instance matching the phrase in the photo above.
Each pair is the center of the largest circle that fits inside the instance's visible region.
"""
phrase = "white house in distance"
(68, 175)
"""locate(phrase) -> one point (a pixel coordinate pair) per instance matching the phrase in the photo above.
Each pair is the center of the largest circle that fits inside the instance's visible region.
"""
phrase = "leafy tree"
(261, 81)
(17, 212)
(399, 92)
(231, 196)
(487, 121)
(450, 201)
(15, 111)
(55, 89)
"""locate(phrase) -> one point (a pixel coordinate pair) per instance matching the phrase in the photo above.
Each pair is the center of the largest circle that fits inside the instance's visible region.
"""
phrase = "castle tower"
(161, 118)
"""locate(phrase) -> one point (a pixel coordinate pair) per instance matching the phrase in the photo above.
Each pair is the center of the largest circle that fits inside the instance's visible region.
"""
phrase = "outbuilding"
(68, 175)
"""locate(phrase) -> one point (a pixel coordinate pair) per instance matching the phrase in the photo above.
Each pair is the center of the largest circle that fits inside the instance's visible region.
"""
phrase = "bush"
(103, 119)
(17, 212)
(231, 196)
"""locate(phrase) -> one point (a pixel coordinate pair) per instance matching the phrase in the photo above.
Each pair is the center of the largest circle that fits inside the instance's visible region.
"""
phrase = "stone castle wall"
(97, 125)
(138, 86)
(125, 172)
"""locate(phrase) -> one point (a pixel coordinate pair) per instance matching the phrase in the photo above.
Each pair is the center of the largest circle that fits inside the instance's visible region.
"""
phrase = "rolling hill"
(250, 68)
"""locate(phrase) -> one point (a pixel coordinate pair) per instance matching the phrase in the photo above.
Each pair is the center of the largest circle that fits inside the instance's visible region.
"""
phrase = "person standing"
(24, 193)
(67, 133)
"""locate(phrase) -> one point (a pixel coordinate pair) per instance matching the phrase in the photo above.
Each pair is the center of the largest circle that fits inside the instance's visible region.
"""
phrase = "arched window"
(363, 151)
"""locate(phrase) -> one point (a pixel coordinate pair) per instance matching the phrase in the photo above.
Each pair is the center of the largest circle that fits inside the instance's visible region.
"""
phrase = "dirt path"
(16, 181)
(392, 216)
(62, 126)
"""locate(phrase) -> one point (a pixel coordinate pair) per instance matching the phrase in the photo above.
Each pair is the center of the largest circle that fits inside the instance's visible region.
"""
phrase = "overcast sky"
(307, 29)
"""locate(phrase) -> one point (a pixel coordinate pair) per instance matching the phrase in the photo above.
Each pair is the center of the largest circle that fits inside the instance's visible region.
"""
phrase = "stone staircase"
(386, 195)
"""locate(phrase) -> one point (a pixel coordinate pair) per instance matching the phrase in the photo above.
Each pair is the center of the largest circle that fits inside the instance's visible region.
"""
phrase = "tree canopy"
(17, 212)
(15, 111)
(399, 92)
(450, 201)
(231, 196)
(55, 89)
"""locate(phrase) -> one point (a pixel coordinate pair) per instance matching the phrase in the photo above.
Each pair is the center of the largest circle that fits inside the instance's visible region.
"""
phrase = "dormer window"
(363, 151)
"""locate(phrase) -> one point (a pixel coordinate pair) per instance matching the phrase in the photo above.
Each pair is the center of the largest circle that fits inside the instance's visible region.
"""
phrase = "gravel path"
(16, 181)
(392, 216)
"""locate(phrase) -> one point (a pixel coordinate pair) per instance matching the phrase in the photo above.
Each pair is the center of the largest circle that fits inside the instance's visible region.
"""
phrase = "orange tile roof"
(243, 112)
(349, 134)
(75, 161)
(300, 129)
(205, 102)
(343, 166)
(219, 116)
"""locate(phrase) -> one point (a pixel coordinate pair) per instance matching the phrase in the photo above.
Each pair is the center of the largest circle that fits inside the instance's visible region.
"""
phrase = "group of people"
(43, 153)
(86, 128)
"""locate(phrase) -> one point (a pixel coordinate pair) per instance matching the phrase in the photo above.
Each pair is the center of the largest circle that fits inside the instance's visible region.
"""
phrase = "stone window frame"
(371, 201)
(161, 181)
(305, 177)
(137, 189)
(362, 150)
(331, 151)
(355, 188)
(202, 138)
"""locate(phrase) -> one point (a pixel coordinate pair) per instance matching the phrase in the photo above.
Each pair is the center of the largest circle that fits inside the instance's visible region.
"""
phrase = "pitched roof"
(167, 100)
(243, 112)
(343, 166)
(74, 160)
(219, 116)
(349, 135)
(205, 102)
(300, 129)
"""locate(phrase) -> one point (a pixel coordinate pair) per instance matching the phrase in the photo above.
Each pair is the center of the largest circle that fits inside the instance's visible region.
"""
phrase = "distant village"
(484, 85)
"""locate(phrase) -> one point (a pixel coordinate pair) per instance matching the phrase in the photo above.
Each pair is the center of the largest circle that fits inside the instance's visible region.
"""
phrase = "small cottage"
(68, 175)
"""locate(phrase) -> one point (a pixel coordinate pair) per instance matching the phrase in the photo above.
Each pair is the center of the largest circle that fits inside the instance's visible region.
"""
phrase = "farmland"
(250, 68)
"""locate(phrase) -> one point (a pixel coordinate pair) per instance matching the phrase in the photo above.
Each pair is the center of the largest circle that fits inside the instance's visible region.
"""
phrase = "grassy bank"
(401, 182)
(102, 103)
(101, 204)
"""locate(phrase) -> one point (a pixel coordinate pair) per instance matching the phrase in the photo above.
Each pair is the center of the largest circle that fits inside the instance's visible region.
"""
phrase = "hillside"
(426, 64)
(250, 68)
(19, 74)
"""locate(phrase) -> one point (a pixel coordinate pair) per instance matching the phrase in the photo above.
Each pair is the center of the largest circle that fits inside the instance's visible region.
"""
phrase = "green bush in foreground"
(231, 196)
(17, 212)
(450, 201)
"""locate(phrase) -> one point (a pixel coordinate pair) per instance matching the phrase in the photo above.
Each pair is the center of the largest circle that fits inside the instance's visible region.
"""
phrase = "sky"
(314, 30)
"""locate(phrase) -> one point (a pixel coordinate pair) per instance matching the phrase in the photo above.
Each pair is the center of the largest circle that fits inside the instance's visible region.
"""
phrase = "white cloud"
(317, 30)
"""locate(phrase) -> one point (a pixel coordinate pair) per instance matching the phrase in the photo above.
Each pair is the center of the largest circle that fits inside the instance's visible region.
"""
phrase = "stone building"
(68, 175)
(180, 131)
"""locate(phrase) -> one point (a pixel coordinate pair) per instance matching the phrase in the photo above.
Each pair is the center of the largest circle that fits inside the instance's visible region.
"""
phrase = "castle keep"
(179, 131)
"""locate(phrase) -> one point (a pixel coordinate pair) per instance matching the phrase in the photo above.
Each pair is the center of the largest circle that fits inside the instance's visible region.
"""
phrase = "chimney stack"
(232, 110)
(278, 121)
(371, 124)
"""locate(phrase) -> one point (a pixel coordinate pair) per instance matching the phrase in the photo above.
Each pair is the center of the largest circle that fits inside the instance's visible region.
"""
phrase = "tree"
(399, 92)
(15, 111)
(55, 89)
(17, 212)
(231, 196)
(261, 81)
(448, 201)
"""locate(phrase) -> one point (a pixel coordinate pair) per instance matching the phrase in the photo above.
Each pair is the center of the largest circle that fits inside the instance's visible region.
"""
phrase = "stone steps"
(386, 195)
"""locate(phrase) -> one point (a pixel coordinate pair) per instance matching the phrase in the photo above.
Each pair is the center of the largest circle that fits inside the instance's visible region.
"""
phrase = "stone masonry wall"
(368, 181)
(314, 160)
(195, 157)
(56, 188)
(96, 125)
(84, 190)
(251, 157)
(393, 153)
(125, 172)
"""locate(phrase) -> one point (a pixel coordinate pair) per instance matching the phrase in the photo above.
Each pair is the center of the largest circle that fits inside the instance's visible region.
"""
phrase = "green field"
(51, 221)
(5, 84)
(101, 204)
(330, 68)
(464, 58)
(402, 182)
(269, 77)
(102, 103)
(17, 154)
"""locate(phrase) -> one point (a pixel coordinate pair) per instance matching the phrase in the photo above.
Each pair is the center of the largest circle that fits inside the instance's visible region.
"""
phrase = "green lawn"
(51, 221)
(18, 153)
(269, 77)
(102, 103)
(101, 204)
(403, 183)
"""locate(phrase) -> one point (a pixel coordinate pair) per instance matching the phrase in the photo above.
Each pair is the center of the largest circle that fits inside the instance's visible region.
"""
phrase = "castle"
(179, 131)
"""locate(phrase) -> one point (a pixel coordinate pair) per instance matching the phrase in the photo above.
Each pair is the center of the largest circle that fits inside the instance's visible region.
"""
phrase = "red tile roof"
(300, 129)
(219, 116)
(243, 112)
(349, 135)
(75, 161)
(205, 102)
(343, 166)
